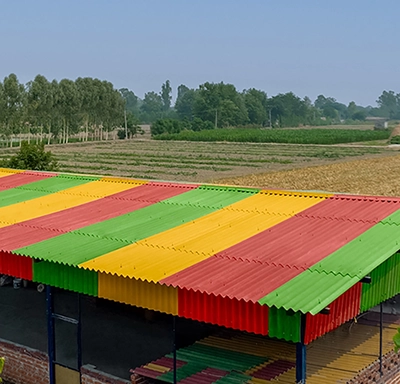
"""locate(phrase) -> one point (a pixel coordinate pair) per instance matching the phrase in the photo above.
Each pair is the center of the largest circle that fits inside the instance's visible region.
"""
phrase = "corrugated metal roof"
(71, 219)
(15, 179)
(178, 248)
(334, 275)
(384, 285)
(344, 308)
(231, 313)
(137, 241)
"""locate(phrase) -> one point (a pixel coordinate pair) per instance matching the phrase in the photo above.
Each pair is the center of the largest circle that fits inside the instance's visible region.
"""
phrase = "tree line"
(55, 110)
(218, 105)
(58, 109)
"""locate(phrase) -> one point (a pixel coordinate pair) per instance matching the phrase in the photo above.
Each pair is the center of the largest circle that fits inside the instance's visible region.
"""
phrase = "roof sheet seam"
(223, 255)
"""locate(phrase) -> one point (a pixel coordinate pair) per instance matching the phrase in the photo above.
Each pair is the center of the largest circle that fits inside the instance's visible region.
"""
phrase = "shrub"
(32, 156)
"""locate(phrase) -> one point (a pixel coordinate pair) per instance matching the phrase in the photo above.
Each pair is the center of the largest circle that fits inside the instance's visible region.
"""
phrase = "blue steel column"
(301, 353)
(174, 344)
(380, 337)
(50, 332)
(79, 334)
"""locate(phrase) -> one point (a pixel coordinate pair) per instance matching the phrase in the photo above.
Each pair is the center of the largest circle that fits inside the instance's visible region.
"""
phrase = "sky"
(346, 49)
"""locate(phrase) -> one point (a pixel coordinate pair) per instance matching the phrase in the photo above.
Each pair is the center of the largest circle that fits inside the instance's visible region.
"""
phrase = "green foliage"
(132, 125)
(288, 110)
(200, 125)
(184, 102)
(256, 104)
(166, 95)
(161, 126)
(396, 340)
(2, 362)
(395, 140)
(389, 105)
(220, 103)
(173, 126)
(131, 100)
(152, 107)
(296, 136)
(33, 157)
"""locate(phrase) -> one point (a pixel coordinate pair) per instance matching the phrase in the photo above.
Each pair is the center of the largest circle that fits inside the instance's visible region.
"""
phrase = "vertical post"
(270, 119)
(50, 332)
(126, 126)
(174, 345)
(380, 337)
(79, 334)
(301, 353)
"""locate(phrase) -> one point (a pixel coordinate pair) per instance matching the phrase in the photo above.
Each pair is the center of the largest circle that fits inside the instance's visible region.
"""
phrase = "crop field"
(294, 136)
(196, 161)
(373, 176)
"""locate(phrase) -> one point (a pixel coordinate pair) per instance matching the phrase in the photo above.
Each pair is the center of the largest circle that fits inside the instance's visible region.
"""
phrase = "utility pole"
(216, 118)
(270, 119)
(126, 126)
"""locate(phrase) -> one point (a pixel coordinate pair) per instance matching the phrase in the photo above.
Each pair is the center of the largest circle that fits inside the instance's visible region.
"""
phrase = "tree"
(166, 95)
(220, 103)
(288, 110)
(152, 106)
(39, 103)
(389, 104)
(185, 102)
(359, 115)
(256, 104)
(131, 100)
(132, 125)
(34, 157)
(111, 107)
(351, 109)
(69, 101)
(14, 104)
(166, 126)
(326, 104)
(2, 106)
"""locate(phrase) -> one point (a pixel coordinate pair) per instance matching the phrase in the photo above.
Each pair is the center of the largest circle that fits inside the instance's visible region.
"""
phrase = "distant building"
(379, 122)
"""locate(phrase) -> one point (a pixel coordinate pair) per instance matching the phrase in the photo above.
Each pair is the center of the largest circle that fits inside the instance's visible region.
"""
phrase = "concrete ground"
(115, 337)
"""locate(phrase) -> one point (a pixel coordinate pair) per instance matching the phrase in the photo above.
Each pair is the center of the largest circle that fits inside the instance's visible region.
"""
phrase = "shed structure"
(288, 265)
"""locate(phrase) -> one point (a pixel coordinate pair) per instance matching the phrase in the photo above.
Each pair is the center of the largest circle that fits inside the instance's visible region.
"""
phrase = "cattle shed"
(289, 265)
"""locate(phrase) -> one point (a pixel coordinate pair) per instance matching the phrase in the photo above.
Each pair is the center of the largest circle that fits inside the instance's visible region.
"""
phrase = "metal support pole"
(50, 333)
(380, 338)
(301, 353)
(174, 345)
(79, 334)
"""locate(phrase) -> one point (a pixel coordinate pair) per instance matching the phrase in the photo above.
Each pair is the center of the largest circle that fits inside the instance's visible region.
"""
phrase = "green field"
(294, 136)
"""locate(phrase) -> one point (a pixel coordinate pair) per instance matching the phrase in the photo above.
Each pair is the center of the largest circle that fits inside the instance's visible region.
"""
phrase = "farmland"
(372, 176)
(197, 161)
(294, 136)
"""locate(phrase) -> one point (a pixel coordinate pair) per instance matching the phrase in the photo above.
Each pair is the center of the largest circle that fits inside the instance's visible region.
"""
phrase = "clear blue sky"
(347, 49)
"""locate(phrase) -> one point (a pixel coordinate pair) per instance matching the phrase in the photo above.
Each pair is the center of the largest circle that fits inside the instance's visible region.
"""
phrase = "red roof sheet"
(46, 227)
(18, 179)
(264, 262)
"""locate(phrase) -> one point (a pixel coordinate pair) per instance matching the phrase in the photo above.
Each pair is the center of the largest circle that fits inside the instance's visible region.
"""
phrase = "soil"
(202, 162)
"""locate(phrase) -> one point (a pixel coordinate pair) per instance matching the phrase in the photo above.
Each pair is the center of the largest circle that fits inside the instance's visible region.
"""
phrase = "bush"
(166, 126)
(395, 140)
(33, 157)
(173, 126)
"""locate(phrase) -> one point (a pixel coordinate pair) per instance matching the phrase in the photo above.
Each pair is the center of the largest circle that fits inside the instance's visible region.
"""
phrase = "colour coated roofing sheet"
(285, 250)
